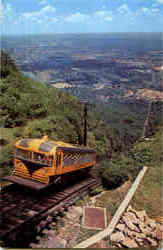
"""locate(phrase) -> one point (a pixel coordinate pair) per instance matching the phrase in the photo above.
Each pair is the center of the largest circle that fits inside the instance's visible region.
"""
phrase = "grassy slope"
(32, 109)
(37, 110)
(148, 194)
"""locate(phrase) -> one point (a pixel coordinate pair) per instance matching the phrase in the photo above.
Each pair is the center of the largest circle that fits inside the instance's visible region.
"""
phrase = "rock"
(31, 213)
(93, 200)
(38, 238)
(71, 216)
(130, 209)
(69, 209)
(120, 227)
(129, 233)
(132, 217)
(160, 245)
(104, 244)
(152, 242)
(139, 241)
(118, 245)
(45, 231)
(53, 242)
(78, 210)
(138, 235)
(39, 246)
(70, 222)
(42, 224)
(96, 245)
(159, 235)
(51, 233)
(63, 242)
(160, 227)
(141, 215)
(33, 245)
(151, 223)
(153, 234)
(130, 243)
(76, 225)
(72, 243)
(133, 234)
(62, 230)
(130, 225)
(144, 228)
(53, 224)
(100, 244)
(49, 219)
(117, 237)
(38, 228)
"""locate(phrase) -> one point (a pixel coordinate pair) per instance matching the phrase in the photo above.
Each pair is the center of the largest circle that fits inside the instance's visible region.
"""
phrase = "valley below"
(47, 83)
(97, 67)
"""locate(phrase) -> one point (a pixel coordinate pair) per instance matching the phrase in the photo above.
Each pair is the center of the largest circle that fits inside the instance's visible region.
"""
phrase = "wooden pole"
(146, 123)
(85, 124)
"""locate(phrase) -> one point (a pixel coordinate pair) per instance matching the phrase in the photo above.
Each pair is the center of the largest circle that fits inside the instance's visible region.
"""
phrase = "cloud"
(43, 2)
(145, 10)
(0, 11)
(44, 11)
(103, 15)
(45, 14)
(103, 6)
(155, 10)
(48, 8)
(151, 12)
(7, 12)
(76, 17)
(160, 1)
(124, 9)
(103, 18)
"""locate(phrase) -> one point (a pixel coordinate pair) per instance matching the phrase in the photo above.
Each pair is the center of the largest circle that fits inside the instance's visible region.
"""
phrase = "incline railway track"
(21, 209)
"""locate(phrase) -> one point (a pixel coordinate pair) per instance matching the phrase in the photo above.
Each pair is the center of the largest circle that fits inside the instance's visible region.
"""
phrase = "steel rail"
(19, 208)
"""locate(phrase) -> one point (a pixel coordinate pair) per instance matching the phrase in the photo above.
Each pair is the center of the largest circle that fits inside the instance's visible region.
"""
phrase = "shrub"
(6, 155)
(113, 175)
(116, 171)
(6, 160)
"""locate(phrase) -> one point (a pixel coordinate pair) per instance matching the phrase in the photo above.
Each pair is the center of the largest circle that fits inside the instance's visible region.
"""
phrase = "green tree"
(7, 65)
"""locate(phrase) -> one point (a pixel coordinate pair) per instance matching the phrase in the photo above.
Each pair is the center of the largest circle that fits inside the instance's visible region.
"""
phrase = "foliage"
(33, 109)
(6, 155)
(117, 170)
(7, 65)
(149, 152)
(145, 152)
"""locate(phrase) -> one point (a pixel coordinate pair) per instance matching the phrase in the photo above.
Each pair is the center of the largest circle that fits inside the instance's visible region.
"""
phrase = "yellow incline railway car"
(45, 161)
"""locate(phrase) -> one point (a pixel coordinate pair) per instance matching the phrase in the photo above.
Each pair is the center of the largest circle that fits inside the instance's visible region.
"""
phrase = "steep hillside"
(148, 152)
(33, 109)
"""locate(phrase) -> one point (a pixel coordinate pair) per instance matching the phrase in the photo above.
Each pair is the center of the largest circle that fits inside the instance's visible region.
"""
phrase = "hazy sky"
(44, 16)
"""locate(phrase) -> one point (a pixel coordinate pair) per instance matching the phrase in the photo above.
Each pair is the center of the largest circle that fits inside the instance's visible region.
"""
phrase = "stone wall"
(135, 229)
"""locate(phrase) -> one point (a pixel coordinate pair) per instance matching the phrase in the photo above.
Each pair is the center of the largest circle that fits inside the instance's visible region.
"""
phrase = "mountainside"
(33, 109)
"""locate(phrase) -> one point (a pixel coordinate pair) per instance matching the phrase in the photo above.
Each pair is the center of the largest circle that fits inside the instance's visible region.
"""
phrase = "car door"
(59, 159)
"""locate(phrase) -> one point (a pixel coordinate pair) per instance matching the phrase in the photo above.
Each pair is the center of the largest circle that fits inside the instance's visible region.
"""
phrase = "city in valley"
(125, 67)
